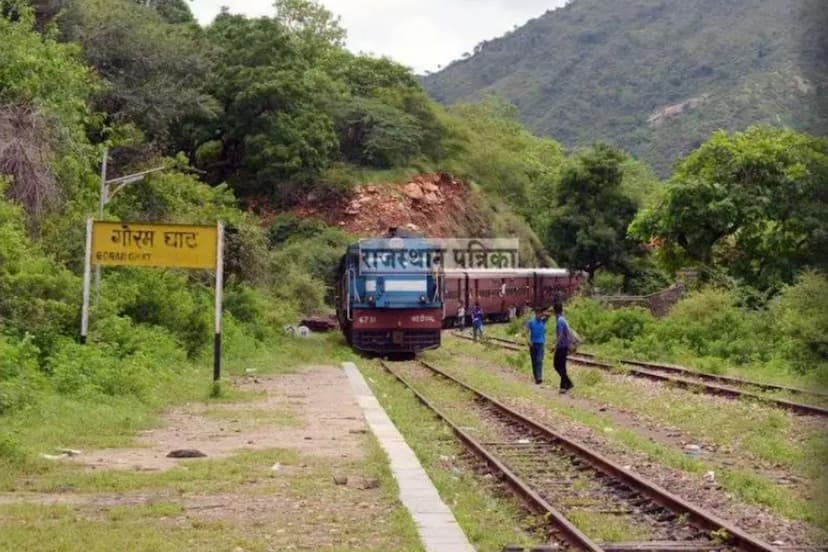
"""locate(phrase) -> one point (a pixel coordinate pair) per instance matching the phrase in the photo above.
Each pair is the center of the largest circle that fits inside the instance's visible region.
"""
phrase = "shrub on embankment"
(712, 329)
(149, 333)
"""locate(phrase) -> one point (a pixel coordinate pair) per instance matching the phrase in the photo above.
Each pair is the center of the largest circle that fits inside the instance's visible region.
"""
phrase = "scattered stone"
(602, 409)
(778, 543)
(413, 191)
(608, 430)
(432, 199)
(358, 431)
(431, 187)
(523, 441)
(53, 456)
(371, 483)
(308, 438)
(70, 452)
(186, 453)
(710, 477)
(340, 479)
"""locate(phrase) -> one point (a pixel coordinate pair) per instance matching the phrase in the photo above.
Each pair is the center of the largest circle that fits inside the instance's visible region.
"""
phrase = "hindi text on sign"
(158, 245)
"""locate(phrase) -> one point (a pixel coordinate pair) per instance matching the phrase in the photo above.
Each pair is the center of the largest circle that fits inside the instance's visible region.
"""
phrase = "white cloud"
(422, 34)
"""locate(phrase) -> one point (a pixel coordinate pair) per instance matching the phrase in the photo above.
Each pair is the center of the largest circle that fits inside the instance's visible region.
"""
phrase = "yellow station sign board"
(158, 245)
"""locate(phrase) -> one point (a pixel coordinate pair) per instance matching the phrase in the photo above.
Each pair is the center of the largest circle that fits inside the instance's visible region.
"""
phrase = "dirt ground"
(311, 412)
(304, 504)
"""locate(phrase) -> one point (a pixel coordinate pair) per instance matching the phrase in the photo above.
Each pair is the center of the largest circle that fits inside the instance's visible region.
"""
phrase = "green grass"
(65, 528)
(489, 520)
(161, 509)
(76, 421)
(282, 416)
(163, 522)
(207, 475)
(757, 431)
(607, 527)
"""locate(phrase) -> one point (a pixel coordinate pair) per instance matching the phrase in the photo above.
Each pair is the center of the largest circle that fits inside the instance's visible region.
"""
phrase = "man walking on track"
(537, 342)
(562, 348)
(477, 322)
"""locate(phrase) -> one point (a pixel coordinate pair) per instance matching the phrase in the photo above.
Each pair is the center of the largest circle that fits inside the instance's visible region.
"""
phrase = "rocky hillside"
(433, 204)
(655, 77)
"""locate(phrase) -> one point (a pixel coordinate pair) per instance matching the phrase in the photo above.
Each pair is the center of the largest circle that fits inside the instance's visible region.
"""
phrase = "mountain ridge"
(654, 77)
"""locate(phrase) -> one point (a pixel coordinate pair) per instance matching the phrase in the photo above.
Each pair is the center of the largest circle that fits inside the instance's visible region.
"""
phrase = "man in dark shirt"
(562, 348)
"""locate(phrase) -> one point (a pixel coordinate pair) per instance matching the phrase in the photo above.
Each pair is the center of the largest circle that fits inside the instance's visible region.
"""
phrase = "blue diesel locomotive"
(389, 295)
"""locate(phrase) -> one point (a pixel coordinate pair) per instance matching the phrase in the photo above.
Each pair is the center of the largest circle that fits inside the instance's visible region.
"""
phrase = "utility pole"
(105, 196)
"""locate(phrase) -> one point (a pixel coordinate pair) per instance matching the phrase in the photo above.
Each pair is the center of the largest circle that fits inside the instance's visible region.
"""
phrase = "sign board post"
(155, 245)
(219, 300)
(87, 277)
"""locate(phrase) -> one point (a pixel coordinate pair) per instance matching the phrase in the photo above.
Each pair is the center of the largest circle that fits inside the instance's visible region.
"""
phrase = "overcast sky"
(422, 34)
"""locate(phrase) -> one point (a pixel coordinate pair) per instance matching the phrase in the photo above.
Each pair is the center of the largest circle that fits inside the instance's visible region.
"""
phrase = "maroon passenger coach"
(504, 293)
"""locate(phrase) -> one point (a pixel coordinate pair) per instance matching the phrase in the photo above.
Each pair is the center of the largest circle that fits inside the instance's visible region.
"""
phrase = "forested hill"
(655, 77)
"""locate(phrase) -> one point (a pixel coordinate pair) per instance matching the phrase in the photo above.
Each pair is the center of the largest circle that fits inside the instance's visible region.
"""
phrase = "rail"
(689, 379)
(696, 516)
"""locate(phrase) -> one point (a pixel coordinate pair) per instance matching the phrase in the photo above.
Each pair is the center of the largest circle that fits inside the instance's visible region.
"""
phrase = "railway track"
(561, 479)
(682, 377)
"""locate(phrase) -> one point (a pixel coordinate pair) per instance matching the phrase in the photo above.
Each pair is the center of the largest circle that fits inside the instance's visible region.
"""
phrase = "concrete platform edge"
(436, 524)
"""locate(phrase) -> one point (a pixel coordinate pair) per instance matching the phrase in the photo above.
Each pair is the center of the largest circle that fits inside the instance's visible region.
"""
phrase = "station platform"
(436, 524)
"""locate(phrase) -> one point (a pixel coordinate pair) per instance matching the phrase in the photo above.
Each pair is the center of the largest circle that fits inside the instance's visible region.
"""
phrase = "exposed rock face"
(435, 204)
(663, 115)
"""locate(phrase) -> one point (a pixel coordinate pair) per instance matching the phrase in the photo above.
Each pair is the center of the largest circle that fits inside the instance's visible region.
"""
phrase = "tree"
(172, 11)
(44, 95)
(752, 203)
(376, 134)
(384, 118)
(153, 69)
(317, 32)
(275, 126)
(589, 226)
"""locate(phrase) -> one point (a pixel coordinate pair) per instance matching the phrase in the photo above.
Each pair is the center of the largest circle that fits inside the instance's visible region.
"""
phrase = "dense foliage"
(711, 330)
(610, 70)
(590, 227)
(754, 204)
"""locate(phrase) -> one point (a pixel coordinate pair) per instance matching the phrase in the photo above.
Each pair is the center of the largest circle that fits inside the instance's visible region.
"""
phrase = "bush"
(303, 269)
(163, 298)
(710, 329)
(597, 324)
(37, 296)
(248, 307)
(709, 322)
(19, 374)
(800, 317)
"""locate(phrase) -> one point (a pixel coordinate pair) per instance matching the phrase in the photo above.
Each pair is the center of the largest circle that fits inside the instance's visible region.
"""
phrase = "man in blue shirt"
(562, 348)
(477, 322)
(537, 341)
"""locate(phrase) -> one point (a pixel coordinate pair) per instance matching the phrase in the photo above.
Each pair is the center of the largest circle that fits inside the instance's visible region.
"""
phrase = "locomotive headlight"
(422, 299)
(371, 299)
